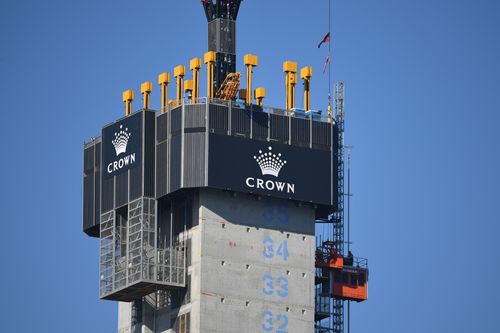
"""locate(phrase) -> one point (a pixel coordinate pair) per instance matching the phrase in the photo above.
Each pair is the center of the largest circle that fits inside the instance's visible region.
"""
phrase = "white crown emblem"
(121, 140)
(270, 163)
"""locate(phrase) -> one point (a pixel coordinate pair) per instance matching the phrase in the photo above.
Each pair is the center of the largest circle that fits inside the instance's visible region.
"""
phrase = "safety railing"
(316, 115)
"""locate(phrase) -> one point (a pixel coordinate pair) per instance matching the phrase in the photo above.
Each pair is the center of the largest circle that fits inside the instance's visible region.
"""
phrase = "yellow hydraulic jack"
(128, 97)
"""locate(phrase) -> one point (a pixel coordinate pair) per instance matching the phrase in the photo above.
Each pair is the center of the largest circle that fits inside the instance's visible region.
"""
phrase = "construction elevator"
(206, 209)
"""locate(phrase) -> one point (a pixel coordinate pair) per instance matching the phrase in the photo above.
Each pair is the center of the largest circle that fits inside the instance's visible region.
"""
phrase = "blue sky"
(422, 109)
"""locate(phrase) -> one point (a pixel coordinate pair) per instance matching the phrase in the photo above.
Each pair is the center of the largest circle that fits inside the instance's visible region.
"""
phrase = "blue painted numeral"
(282, 282)
(278, 286)
(269, 287)
(269, 251)
(283, 319)
(283, 250)
(270, 322)
(268, 248)
(276, 214)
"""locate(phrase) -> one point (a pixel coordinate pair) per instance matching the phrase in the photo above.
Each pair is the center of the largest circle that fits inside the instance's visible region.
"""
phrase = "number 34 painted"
(269, 252)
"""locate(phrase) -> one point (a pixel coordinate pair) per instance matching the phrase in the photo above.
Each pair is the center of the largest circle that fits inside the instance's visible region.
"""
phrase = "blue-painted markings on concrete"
(273, 286)
(276, 214)
(269, 249)
(276, 324)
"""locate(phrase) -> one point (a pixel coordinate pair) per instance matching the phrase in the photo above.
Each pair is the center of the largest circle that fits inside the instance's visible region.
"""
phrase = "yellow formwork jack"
(179, 73)
(306, 75)
(146, 89)
(189, 88)
(163, 81)
(260, 93)
(210, 58)
(290, 68)
(195, 66)
(128, 98)
(250, 61)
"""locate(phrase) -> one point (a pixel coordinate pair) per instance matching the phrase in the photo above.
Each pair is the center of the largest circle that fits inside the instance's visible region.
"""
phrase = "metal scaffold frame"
(338, 217)
(132, 262)
(329, 317)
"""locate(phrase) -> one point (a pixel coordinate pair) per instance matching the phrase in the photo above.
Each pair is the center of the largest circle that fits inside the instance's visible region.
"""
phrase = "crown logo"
(269, 162)
(121, 140)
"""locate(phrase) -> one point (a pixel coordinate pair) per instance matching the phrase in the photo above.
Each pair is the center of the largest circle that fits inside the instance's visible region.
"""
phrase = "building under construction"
(206, 209)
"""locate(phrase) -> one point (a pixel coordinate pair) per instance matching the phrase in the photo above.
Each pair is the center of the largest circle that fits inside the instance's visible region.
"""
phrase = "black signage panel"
(121, 146)
(272, 169)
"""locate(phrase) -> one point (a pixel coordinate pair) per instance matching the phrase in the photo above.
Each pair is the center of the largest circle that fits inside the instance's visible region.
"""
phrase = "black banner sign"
(121, 146)
(273, 169)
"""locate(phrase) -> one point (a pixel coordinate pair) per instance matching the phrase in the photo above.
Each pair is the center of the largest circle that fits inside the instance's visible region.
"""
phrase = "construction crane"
(221, 16)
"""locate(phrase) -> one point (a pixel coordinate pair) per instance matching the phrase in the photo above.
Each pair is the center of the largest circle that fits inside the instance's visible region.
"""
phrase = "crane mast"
(221, 16)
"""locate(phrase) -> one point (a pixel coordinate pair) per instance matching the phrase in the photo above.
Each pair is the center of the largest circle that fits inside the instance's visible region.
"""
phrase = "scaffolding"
(329, 312)
(132, 263)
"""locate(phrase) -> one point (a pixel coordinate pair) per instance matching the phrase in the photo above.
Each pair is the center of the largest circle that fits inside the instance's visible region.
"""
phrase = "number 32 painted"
(270, 322)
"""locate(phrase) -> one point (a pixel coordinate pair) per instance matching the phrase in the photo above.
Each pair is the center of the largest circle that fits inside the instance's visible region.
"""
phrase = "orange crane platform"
(343, 277)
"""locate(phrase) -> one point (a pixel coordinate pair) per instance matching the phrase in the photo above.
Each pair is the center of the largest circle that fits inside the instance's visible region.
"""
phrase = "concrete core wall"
(252, 269)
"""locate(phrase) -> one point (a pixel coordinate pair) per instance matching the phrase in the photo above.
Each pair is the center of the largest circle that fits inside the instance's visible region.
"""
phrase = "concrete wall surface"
(257, 264)
(251, 269)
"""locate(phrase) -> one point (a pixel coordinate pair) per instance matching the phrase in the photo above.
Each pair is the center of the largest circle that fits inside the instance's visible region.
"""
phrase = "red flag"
(326, 39)
(326, 63)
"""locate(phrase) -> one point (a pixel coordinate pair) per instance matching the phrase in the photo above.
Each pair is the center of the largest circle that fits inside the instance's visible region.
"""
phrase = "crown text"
(121, 163)
(270, 185)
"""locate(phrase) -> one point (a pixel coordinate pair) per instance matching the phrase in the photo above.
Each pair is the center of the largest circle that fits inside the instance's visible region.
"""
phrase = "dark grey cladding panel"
(133, 165)
(122, 143)
(270, 169)
(91, 188)
(175, 162)
(162, 169)
(240, 122)
(98, 156)
(97, 199)
(88, 201)
(149, 154)
(135, 183)
(176, 120)
(218, 118)
(334, 130)
(162, 127)
(107, 191)
(194, 116)
(301, 132)
(194, 160)
(260, 124)
(182, 164)
(121, 189)
(279, 128)
(322, 135)
(88, 159)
